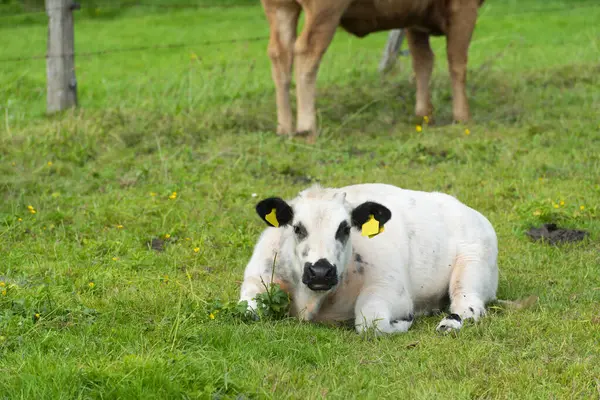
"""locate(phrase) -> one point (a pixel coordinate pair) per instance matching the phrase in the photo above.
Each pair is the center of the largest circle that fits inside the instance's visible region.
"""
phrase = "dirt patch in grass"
(552, 234)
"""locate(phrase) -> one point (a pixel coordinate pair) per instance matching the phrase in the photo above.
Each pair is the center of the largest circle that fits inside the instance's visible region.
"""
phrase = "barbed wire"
(132, 5)
(545, 10)
(87, 54)
(225, 41)
(591, 4)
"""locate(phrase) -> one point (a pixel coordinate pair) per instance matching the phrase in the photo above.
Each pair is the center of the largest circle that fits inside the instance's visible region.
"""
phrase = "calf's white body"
(434, 249)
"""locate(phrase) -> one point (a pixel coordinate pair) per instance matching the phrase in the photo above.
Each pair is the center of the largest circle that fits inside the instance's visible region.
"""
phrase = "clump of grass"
(273, 304)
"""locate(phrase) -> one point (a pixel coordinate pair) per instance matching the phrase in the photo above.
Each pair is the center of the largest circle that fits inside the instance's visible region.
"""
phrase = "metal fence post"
(391, 50)
(60, 59)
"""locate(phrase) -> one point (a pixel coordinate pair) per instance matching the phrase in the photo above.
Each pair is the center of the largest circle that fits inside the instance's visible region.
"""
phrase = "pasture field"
(173, 144)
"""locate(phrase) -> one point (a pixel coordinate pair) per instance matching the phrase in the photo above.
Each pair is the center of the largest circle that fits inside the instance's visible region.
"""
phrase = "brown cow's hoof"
(424, 120)
(309, 136)
(462, 117)
(281, 131)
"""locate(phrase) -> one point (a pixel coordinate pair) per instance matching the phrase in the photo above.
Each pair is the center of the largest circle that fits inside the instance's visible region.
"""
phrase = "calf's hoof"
(452, 322)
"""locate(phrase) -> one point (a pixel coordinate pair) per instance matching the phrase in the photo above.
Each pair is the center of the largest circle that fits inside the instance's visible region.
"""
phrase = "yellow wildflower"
(211, 316)
(196, 249)
(467, 132)
(165, 278)
(91, 285)
(426, 119)
(2, 284)
(419, 128)
(115, 258)
(555, 205)
(37, 315)
(582, 207)
(173, 196)
(537, 212)
(4, 292)
(562, 203)
(49, 163)
(20, 219)
(119, 226)
(167, 236)
(153, 194)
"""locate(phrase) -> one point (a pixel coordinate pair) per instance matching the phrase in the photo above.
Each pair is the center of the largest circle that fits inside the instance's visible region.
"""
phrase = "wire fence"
(83, 54)
(182, 6)
(222, 60)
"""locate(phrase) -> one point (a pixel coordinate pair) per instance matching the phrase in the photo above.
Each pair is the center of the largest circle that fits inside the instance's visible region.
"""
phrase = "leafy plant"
(273, 303)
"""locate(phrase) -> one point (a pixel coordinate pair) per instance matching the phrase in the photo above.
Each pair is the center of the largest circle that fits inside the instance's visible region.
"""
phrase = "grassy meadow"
(125, 222)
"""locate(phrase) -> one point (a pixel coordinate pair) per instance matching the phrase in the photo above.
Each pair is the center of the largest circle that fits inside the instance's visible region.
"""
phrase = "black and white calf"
(433, 249)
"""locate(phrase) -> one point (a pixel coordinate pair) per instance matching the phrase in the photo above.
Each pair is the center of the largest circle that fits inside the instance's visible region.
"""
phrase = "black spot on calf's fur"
(455, 317)
(408, 318)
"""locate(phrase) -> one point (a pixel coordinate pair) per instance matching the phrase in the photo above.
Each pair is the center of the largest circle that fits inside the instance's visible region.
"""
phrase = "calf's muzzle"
(321, 275)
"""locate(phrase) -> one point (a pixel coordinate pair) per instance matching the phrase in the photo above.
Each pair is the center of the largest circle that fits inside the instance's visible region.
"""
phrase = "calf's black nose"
(321, 275)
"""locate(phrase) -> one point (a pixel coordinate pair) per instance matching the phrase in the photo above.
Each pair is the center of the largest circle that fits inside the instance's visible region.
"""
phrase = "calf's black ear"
(275, 211)
(370, 217)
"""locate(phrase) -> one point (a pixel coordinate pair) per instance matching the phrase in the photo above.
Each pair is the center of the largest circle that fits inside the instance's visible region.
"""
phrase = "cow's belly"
(364, 17)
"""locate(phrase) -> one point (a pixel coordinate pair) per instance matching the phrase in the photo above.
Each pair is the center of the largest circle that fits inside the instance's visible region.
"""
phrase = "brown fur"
(336, 307)
(454, 19)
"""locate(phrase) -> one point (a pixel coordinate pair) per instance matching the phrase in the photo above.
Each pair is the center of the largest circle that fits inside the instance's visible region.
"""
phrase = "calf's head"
(319, 229)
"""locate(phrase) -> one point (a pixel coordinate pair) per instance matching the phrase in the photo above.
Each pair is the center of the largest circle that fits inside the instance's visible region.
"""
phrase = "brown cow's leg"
(316, 36)
(422, 57)
(462, 18)
(283, 23)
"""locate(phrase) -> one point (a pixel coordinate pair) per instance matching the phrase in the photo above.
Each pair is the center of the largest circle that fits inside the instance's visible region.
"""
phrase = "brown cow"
(453, 18)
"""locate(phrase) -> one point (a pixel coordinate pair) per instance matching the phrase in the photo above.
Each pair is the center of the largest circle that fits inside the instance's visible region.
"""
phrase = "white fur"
(434, 247)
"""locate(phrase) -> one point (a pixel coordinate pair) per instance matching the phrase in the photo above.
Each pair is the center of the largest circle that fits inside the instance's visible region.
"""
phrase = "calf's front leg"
(385, 310)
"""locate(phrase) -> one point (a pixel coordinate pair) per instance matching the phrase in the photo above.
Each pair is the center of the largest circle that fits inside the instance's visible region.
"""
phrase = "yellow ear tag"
(371, 227)
(381, 229)
(272, 218)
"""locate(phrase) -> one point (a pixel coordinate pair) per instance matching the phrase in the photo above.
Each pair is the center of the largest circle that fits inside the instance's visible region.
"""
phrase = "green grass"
(161, 121)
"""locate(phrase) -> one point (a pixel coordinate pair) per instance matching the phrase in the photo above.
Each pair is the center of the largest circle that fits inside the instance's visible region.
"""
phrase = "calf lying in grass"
(433, 249)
